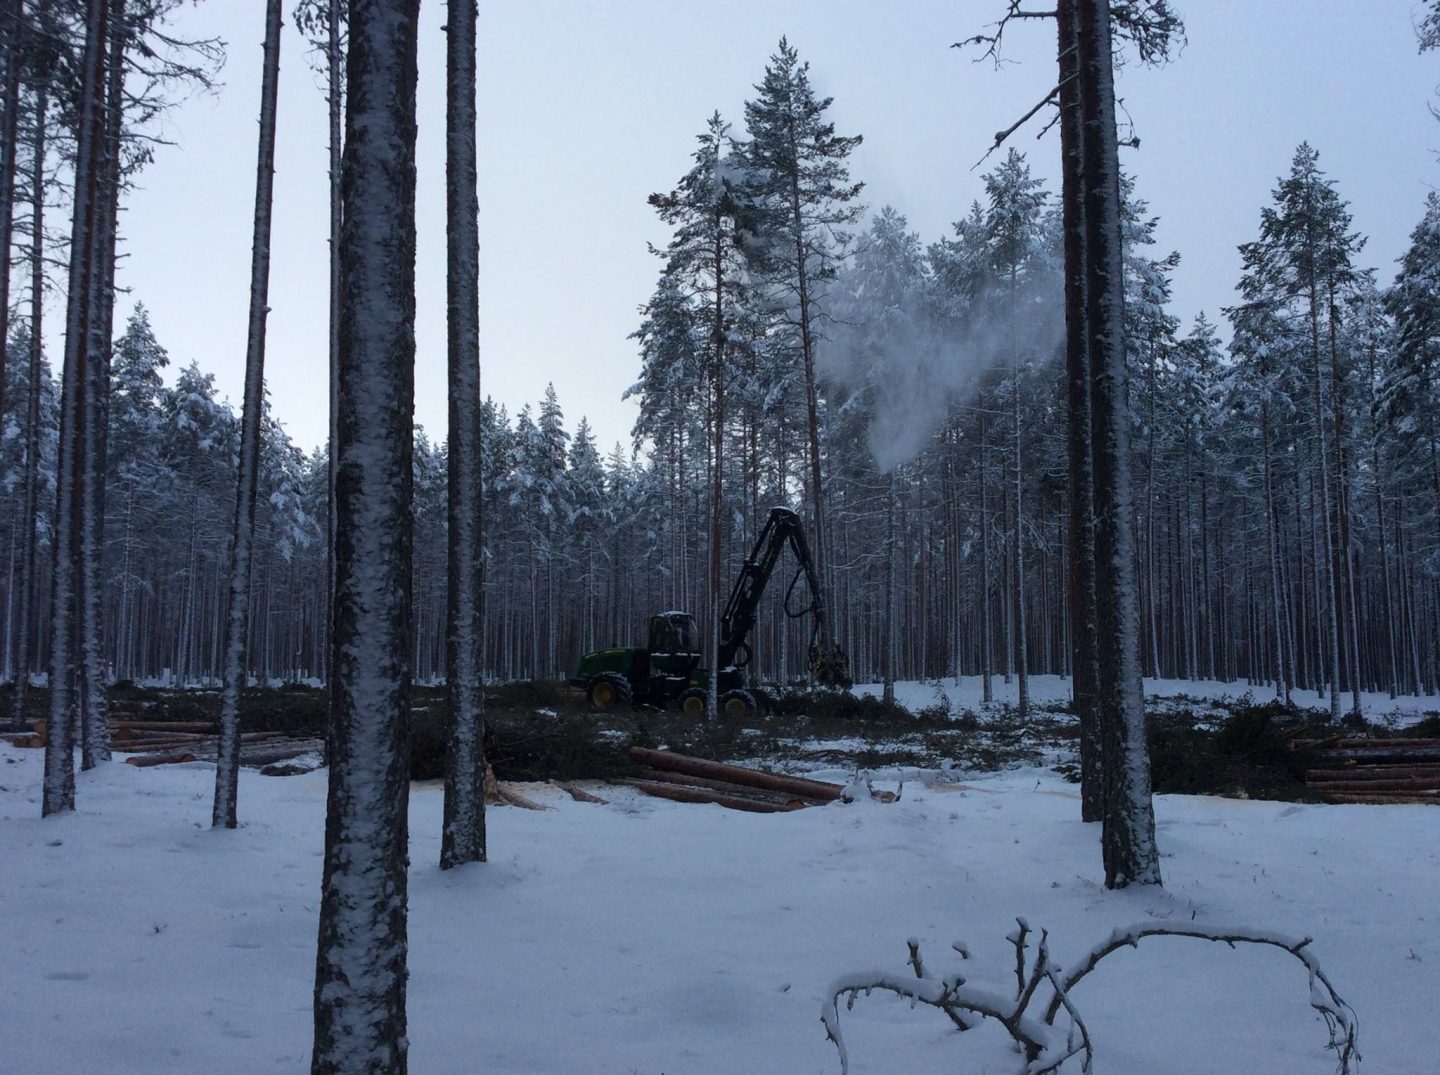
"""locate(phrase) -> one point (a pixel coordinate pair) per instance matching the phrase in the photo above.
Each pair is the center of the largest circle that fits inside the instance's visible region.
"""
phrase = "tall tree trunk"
(361, 956)
(987, 643)
(242, 541)
(1128, 840)
(717, 501)
(59, 784)
(11, 32)
(1272, 549)
(1081, 532)
(30, 534)
(1022, 654)
(95, 737)
(892, 626)
(463, 836)
(336, 96)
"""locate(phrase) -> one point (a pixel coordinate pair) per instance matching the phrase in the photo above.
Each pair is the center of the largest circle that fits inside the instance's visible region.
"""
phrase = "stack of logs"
(695, 780)
(1373, 770)
(171, 742)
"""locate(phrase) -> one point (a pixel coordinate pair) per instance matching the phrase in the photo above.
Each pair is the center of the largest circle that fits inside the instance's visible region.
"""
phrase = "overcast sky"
(587, 106)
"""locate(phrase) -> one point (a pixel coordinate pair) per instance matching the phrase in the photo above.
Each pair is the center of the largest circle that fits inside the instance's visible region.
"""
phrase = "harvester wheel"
(737, 703)
(608, 690)
(693, 703)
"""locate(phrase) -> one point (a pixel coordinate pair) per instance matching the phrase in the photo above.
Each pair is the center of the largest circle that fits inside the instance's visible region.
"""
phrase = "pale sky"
(588, 107)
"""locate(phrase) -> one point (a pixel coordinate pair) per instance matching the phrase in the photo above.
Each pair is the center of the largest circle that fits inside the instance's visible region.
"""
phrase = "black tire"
(738, 703)
(607, 691)
(693, 702)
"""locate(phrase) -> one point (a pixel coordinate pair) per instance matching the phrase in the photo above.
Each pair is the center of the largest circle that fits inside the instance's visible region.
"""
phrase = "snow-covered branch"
(1047, 1048)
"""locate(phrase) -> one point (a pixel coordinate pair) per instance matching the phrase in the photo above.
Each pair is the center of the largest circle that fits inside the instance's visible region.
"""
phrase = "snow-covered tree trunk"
(242, 534)
(11, 30)
(717, 460)
(59, 782)
(892, 567)
(95, 727)
(463, 837)
(1081, 533)
(1272, 548)
(1128, 838)
(987, 630)
(361, 958)
(30, 536)
(1326, 554)
(335, 98)
(1022, 651)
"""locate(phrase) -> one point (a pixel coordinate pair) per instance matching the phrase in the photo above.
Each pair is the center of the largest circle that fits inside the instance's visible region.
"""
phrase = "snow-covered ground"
(964, 694)
(650, 937)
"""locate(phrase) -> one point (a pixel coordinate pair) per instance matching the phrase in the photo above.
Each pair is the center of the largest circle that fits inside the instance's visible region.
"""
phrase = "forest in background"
(1236, 551)
(1287, 483)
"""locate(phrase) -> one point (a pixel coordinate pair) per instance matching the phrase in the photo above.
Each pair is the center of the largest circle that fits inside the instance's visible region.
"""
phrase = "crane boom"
(738, 620)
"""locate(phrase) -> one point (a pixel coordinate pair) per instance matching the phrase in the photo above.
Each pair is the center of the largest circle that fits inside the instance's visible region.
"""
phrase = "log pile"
(1373, 770)
(680, 778)
(147, 743)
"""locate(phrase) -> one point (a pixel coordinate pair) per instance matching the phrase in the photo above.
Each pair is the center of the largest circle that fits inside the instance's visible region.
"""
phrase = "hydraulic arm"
(738, 620)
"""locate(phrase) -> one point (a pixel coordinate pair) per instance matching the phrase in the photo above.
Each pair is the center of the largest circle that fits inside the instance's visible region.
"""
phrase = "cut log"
(1373, 787)
(125, 734)
(1378, 755)
(580, 795)
(151, 746)
(1362, 744)
(683, 794)
(23, 739)
(1385, 800)
(1358, 772)
(1373, 772)
(146, 760)
(269, 753)
(736, 774)
(724, 787)
(202, 726)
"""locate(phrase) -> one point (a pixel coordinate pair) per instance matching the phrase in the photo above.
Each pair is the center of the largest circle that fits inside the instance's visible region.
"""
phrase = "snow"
(964, 695)
(648, 936)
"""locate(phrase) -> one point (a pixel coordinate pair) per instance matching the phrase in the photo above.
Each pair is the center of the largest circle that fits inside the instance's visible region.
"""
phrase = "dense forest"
(1009, 454)
(1286, 450)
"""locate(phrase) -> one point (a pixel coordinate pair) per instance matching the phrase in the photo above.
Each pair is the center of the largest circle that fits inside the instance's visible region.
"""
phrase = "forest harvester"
(668, 669)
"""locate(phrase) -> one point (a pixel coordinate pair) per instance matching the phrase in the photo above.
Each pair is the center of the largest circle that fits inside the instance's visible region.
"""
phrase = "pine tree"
(227, 765)
(710, 216)
(1128, 836)
(798, 180)
(360, 963)
(463, 836)
(65, 643)
(1302, 266)
(1016, 282)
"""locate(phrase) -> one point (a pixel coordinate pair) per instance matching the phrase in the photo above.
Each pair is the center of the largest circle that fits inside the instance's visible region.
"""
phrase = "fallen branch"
(1045, 1048)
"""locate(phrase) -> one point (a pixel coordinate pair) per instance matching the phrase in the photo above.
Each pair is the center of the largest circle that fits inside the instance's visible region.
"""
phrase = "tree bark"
(95, 730)
(1081, 546)
(463, 836)
(29, 529)
(334, 61)
(12, 30)
(1128, 839)
(242, 541)
(59, 783)
(361, 956)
